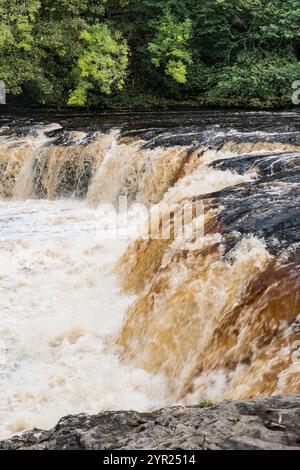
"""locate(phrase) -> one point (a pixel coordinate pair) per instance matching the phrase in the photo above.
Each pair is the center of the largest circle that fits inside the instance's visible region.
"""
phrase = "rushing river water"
(60, 305)
(93, 321)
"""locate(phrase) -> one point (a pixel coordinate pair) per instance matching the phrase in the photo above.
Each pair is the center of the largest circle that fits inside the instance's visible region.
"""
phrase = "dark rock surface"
(267, 207)
(263, 423)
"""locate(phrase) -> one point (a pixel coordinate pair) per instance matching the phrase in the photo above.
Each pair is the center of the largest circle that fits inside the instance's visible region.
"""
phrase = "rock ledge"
(262, 423)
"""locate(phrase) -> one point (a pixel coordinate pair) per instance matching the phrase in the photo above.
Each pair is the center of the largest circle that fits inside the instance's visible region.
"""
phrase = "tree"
(17, 20)
(221, 52)
(169, 48)
(102, 63)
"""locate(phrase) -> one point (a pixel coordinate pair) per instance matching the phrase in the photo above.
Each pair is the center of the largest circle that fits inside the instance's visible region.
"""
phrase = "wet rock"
(267, 207)
(296, 324)
(267, 164)
(4, 130)
(262, 423)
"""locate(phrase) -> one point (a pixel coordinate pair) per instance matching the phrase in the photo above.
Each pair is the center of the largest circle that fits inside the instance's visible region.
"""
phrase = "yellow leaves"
(170, 46)
(177, 70)
(102, 63)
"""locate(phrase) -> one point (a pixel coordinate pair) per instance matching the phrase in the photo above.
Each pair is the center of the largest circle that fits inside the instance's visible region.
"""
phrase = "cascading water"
(91, 322)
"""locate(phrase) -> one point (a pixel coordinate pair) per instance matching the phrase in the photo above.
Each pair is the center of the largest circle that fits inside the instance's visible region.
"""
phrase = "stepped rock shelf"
(261, 424)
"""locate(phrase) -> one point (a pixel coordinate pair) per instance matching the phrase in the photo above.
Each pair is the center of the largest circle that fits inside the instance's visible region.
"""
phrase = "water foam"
(60, 306)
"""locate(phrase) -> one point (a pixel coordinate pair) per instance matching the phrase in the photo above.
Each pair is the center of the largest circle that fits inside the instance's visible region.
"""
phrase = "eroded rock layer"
(261, 424)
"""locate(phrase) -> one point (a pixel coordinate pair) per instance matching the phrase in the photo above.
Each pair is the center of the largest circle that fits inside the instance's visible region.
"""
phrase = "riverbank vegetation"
(143, 53)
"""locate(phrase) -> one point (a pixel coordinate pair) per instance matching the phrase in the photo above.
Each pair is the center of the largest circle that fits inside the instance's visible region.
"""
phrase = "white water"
(60, 304)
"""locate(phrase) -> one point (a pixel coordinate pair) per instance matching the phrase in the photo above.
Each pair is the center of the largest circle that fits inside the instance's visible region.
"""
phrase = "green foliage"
(16, 23)
(205, 404)
(102, 63)
(170, 46)
(221, 52)
(254, 80)
(60, 8)
(16, 41)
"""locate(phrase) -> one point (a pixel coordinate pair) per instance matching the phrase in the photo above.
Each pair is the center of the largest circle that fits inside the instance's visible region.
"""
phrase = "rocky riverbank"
(263, 423)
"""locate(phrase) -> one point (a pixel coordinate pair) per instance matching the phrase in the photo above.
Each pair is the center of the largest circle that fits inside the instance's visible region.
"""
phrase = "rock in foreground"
(262, 423)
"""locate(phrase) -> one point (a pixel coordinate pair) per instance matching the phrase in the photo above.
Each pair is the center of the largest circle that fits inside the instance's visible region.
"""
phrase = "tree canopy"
(109, 52)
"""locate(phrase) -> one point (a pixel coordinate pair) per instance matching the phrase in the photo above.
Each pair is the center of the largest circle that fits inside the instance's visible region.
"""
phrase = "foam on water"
(219, 319)
(60, 306)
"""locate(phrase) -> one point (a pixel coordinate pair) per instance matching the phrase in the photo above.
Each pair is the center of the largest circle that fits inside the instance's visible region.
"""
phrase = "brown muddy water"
(91, 320)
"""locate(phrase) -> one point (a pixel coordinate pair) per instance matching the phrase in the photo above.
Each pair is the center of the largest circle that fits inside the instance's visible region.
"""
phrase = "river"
(97, 317)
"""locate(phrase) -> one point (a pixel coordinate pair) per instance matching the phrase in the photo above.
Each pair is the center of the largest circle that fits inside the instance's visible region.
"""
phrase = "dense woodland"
(133, 53)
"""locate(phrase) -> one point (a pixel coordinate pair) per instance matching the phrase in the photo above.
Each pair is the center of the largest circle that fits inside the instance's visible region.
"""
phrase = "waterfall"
(216, 318)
